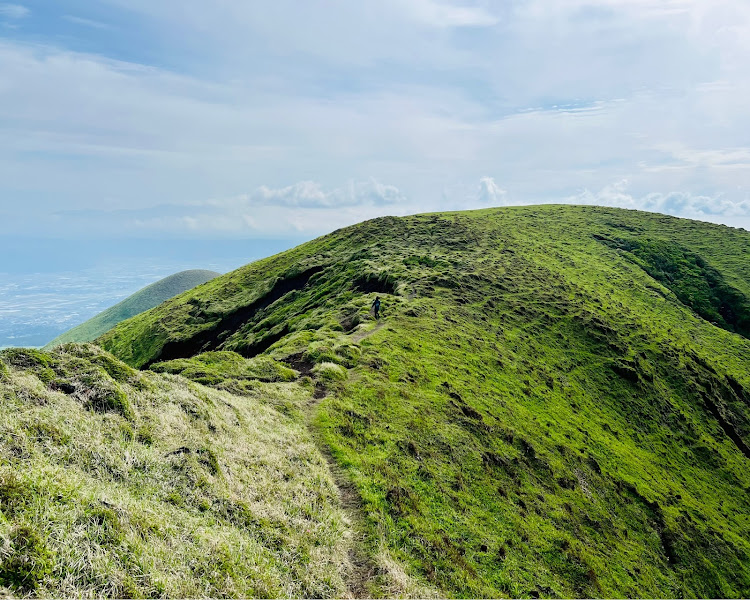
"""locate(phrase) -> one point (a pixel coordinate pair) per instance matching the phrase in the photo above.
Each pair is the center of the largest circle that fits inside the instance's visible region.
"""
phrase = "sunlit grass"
(195, 492)
(544, 408)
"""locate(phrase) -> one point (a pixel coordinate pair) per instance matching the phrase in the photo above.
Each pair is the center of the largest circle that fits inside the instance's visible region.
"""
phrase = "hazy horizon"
(58, 286)
(125, 125)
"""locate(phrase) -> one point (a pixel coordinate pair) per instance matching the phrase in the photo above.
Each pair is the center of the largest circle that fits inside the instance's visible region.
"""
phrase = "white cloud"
(311, 194)
(446, 14)
(14, 11)
(306, 207)
(491, 194)
(261, 220)
(361, 33)
(682, 204)
(86, 22)
(550, 97)
(725, 158)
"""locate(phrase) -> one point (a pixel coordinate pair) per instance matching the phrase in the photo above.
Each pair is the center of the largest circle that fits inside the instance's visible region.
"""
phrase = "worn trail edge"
(363, 568)
(359, 336)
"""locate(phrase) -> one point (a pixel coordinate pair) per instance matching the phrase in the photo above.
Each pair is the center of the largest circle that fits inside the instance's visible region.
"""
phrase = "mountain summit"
(554, 402)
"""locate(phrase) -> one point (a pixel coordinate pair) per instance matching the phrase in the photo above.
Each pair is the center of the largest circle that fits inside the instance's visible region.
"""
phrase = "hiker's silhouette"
(376, 307)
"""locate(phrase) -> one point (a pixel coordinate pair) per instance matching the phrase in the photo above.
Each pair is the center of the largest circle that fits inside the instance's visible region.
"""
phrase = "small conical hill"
(149, 297)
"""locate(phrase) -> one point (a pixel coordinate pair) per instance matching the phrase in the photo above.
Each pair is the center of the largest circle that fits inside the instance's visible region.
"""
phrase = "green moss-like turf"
(555, 401)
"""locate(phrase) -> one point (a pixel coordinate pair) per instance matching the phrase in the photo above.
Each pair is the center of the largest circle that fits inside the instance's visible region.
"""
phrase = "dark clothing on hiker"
(376, 307)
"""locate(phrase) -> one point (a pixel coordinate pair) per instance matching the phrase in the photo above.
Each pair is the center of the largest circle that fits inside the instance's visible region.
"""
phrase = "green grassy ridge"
(556, 476)
(543, 414)
(121, 483)
(187, 316)
(149, 297)
(141, 340)
(696, 284)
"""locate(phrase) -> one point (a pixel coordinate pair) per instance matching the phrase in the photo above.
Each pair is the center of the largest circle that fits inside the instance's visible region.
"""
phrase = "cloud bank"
(310, 194)
(680, 204)
(335, 112)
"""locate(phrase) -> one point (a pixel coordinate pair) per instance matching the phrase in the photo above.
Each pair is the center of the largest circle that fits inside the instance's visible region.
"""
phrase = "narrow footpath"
(363, 568)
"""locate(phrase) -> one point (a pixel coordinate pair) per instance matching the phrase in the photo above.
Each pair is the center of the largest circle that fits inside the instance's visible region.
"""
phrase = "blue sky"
(235, 119)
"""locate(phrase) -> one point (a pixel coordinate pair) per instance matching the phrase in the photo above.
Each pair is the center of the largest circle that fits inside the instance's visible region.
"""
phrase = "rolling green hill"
(141, 301)
(554, 403)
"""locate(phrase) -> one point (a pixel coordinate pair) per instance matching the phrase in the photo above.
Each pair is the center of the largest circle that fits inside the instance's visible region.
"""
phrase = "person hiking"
(376, 307)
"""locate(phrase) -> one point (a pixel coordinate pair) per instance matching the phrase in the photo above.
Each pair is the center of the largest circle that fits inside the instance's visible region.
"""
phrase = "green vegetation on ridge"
(555, 402)
(548, 410)
(694, 282)
(141, 301)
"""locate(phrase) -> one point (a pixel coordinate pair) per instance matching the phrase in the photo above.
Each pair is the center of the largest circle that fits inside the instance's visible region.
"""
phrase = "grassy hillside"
(556, 401)
(136, 485)
(141, 301)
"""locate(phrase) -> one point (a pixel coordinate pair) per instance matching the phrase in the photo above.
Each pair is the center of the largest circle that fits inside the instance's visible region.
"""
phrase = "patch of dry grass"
(190, 492)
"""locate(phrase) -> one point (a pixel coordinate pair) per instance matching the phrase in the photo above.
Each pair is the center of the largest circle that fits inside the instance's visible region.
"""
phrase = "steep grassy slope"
(141, 301)
(125, 484)
(556, 401)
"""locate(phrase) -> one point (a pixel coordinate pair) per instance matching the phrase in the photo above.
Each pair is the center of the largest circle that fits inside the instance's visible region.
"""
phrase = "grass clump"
(347, 354)
(320, 352)
(212, 368)
(84, 373)
(13, 492)
(26, 358)
(25, 560)
(331, 351)
(116, 369)
(329, 372)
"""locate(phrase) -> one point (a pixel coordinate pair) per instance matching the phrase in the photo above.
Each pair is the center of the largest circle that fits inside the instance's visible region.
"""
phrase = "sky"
(231, 119)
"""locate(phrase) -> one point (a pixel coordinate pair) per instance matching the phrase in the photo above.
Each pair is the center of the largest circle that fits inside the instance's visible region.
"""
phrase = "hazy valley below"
(37, 307)
(52, 286)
